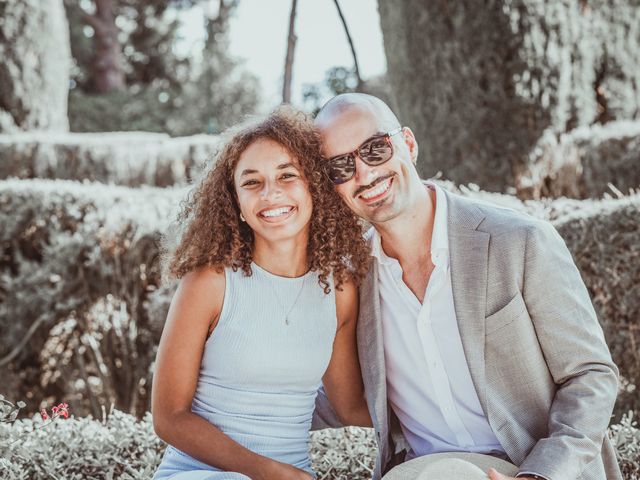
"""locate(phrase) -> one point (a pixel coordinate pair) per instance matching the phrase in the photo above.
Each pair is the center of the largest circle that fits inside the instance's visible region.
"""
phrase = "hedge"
(121, 158)
(81, 296)
(122, 447)
(584, 163)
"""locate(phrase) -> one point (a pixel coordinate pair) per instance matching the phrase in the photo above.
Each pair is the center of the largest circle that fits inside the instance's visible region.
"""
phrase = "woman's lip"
(378, 197)
(278, 218)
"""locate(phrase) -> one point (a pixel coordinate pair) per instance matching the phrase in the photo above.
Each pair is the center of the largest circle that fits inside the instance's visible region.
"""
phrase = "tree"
(34, 72)
(223, 92)
(164, 91)
(288, 63)
(356, 68)
(107, 63)
(479, 85)
(144, 48)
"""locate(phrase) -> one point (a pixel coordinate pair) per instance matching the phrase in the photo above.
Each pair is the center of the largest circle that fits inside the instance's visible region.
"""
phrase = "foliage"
(626, 440)
(584, 163)
(604, 242)
(121, 447)
(81, 263)
(337, 80)
(148, 30)
(480, 86)
(150, 109)
(81, 260)
(122, 158)
(165, 92)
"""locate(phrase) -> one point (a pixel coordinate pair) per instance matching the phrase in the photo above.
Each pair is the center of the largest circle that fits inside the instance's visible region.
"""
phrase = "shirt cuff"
(531, 474)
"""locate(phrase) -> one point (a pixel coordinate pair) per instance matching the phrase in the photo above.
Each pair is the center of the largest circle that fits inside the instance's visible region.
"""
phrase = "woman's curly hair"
(210, 219)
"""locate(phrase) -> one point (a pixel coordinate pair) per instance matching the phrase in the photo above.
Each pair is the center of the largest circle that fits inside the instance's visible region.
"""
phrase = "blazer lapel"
(371, 348)
(469, 250)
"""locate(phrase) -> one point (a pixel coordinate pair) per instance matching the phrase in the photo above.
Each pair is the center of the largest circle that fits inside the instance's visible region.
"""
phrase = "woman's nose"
(270, 191)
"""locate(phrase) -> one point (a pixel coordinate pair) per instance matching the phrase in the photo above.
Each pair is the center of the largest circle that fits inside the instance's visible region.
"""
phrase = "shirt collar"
(439, 237)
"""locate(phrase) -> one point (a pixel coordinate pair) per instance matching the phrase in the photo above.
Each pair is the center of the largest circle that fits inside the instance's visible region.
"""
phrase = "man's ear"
(412, 144)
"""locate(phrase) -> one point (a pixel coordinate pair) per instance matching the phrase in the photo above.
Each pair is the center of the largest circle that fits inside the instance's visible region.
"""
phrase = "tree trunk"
(34, 70)
(108, 73)
(479, 85)
(351, 46)
(288, 63)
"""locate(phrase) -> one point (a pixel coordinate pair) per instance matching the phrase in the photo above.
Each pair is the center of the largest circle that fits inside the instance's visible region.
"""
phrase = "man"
(476, 332)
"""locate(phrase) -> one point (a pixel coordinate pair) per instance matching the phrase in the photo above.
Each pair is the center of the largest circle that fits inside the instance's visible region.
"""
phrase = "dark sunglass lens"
(341, 169)
(376, 151)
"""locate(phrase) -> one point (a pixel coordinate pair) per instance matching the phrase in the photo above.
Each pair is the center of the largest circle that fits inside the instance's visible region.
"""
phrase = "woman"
(265, 310)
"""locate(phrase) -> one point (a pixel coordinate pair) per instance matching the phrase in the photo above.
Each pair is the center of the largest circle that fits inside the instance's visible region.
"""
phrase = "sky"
(259, 36)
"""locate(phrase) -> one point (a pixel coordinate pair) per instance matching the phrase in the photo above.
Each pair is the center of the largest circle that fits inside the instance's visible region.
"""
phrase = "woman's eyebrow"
(248, 171)
(286, 165)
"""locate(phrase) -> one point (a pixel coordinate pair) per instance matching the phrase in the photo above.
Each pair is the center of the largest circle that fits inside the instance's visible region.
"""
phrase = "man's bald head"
(345, 102)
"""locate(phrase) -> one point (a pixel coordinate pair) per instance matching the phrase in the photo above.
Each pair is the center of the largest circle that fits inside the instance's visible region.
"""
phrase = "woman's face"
(273, 195)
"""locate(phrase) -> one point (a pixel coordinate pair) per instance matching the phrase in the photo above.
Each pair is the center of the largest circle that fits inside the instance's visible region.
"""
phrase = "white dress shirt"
(428, 381)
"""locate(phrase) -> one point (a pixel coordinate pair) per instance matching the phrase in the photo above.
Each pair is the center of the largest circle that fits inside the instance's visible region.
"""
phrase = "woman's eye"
(287, 176)
(250, 183)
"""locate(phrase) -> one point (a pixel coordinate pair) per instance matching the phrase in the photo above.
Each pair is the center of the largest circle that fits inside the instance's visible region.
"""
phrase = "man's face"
(375, 193)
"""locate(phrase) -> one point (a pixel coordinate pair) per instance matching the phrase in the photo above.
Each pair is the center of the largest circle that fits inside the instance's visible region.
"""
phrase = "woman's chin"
(283, 232)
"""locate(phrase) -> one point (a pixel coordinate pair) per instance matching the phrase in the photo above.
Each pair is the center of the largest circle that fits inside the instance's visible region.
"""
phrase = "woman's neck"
(286, 258)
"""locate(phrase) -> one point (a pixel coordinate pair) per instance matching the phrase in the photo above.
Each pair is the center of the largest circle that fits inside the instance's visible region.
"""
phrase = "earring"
(242, 217)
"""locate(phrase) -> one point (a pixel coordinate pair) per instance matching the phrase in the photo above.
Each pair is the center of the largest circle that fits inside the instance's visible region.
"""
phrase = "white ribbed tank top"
(259, 375)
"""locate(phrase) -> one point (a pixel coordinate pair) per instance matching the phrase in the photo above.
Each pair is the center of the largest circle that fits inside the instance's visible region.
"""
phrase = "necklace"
(284, 309)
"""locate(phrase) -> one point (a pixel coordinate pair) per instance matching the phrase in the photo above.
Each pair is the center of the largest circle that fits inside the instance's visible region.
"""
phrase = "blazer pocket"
(506, 315)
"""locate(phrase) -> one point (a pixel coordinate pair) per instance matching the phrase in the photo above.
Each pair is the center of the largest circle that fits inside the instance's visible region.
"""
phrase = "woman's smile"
(277, 214)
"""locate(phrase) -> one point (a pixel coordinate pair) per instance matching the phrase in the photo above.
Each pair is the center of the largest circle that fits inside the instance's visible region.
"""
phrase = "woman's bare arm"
(343, 379)
(193, 314)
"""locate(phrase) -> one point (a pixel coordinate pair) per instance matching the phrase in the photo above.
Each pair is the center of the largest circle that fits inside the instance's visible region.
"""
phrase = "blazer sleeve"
(578, 358)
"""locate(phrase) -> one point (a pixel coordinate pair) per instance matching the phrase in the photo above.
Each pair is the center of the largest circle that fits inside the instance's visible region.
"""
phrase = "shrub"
(122, 447)
(122, 158)
(80, 274)
(82, 260)
(584, 163)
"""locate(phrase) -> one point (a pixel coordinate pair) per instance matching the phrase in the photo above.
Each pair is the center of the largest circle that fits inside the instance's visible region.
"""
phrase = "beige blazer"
(536, 352)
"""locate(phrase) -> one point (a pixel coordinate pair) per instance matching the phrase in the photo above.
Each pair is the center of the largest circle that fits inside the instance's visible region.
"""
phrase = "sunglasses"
(374, 151)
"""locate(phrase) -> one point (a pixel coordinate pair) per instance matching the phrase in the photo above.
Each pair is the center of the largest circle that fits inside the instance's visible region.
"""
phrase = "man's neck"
(407, 237)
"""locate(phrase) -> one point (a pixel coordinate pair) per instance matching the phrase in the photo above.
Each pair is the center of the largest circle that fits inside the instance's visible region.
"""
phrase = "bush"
(122, 447)
(584, 163)
(196, 108)
(603, 237)
(122, 158)
(119, 446)
(80, 272)
(79, 263)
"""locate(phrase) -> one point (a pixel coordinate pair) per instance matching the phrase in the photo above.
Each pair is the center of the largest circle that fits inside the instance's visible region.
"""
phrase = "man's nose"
(364, 173)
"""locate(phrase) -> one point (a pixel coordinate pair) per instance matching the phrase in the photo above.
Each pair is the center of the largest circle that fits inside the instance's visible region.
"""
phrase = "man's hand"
(495, 475)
